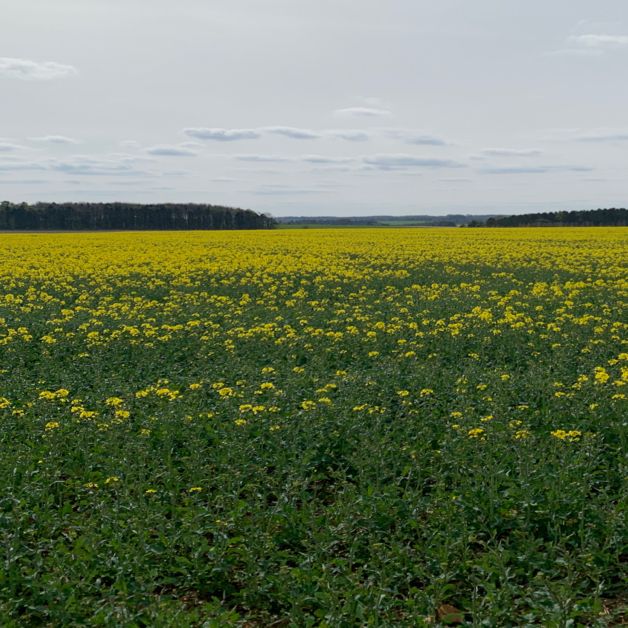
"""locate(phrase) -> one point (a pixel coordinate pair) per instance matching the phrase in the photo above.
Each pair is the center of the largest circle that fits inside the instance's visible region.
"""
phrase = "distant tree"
(128, 216)
(580, 218)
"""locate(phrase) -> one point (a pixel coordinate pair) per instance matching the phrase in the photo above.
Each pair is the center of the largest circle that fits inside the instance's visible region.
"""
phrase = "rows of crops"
(330, 428)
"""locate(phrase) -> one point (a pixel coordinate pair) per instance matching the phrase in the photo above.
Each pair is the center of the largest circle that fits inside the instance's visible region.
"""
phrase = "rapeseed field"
(314, 428)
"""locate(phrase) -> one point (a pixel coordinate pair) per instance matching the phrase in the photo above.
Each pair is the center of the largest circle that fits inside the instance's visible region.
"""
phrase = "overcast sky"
(341, 107)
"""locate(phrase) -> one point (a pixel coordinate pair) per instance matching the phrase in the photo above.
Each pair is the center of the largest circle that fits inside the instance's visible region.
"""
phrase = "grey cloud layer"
(409, 105)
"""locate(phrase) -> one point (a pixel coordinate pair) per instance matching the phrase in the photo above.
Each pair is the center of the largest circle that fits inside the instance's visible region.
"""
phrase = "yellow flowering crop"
(351, 426)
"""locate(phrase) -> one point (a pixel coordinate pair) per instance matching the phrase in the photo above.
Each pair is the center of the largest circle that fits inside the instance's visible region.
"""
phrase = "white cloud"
(8, 147)
(285, 190)
(511, 152)
(24, 182)
(18, 166)
(28, 70)
(170, 151)
(323, 159)
(222, 135)
(263, 158)
(575, 52)
(592, 40)
(417, 138)
(130, 144)
(292, 132)
(351, 135)
(604, 135)
(85, 165)
(362, 112)
(401, 161)
(591, 44)
(54, 139)
(534, 169)
(295, 133)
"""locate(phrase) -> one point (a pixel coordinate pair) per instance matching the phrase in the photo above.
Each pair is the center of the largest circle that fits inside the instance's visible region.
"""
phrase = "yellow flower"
(52, 425)
(475, 432)
(195, 489)
(571, 435)
(62, 393)
(601, 376)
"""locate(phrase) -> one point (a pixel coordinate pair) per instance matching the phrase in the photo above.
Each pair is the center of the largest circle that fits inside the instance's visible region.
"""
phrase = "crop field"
(336, 427)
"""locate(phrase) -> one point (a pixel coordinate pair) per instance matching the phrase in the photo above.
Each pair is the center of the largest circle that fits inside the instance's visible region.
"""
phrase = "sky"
(317, 107)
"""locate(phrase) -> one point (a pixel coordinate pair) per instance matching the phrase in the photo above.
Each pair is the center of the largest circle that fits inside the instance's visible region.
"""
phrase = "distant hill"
(585, 218)
(127, 216)
(450, 220)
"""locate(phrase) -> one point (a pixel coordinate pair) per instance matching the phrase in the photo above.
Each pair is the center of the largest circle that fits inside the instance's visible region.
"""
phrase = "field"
(314, 428)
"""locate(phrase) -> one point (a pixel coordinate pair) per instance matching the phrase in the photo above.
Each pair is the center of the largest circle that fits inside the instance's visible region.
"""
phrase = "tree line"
(613, 217)
(127, 216)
